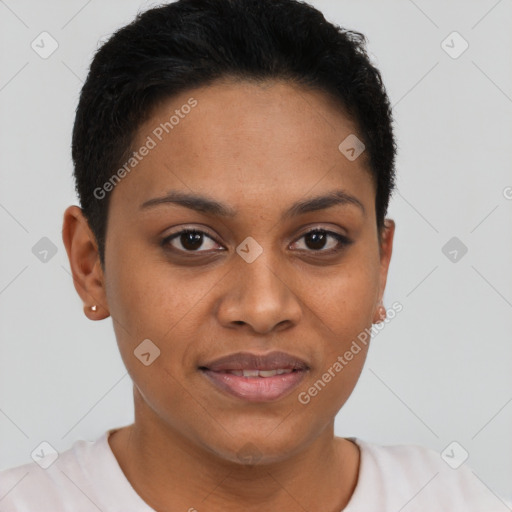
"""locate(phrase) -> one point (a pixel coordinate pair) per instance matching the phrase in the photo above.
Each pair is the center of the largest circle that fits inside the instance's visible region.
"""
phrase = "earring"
(382, 313)
(94, 308)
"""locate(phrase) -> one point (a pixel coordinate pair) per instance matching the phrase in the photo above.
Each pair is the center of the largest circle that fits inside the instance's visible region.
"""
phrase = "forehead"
(245, 140)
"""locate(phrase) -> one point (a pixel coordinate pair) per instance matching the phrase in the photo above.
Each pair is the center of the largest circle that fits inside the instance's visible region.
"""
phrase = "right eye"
(187, 240)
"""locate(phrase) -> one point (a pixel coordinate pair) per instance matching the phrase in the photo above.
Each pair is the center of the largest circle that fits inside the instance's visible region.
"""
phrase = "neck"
(172, 472)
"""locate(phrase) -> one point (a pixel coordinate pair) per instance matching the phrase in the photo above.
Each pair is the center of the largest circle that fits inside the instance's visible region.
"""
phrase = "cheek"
(325, 395)
(345, 309)
(345, 301)
(163, 303)
(148, 302)
(150, 295)
(342, 360)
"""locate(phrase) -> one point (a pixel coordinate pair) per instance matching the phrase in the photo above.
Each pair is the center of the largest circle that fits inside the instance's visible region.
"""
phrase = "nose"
(260, 295)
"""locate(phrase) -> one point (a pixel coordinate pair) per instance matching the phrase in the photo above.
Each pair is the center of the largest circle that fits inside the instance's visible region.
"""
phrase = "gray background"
(439, 372)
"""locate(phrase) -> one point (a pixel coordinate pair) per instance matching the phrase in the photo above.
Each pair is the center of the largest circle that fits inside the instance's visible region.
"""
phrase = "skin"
(257, 148)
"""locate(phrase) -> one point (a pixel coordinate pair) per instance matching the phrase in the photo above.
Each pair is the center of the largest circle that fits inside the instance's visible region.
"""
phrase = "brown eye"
(190, 240)
(317, 240)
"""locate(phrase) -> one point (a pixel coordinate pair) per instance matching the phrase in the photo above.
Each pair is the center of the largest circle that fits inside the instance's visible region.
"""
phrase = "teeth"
(259, 373)
(250, 373)
(267, 373)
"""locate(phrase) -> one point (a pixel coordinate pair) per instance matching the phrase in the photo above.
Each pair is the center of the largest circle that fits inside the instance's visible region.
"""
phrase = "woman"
(234, 161)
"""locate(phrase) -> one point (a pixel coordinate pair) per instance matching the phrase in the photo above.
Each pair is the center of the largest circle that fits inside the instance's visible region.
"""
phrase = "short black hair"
(176, 47)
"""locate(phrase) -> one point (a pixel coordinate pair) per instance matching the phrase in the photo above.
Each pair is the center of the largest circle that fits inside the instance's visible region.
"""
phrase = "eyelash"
(342, 240)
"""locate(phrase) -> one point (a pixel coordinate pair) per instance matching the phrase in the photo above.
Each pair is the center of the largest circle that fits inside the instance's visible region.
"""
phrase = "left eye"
(319, 237)
(192, 239)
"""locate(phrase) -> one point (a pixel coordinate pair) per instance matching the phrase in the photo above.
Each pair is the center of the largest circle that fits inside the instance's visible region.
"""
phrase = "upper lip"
(249, 361)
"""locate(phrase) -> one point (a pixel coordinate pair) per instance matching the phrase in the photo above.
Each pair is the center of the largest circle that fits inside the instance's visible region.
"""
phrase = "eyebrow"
(210, 206)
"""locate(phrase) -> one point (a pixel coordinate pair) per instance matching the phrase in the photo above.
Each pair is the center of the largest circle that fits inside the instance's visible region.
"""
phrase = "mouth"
(256, 373)
(256, 378)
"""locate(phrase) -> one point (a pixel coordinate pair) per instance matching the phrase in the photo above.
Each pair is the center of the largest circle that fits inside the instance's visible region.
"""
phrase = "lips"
(248, 361)
(254, 377)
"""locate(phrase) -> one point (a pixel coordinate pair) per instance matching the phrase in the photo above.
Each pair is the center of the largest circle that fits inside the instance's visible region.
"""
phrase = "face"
(264, 277)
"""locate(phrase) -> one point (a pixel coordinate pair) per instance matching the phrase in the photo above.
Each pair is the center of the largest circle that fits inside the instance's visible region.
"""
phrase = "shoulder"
(55, 484)
(419, 478)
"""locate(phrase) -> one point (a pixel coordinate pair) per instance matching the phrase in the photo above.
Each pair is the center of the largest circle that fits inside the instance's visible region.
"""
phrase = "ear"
(385, 251)
(84, 260)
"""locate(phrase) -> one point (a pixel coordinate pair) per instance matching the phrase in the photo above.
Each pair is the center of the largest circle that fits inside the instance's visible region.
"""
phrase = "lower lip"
(256, 389)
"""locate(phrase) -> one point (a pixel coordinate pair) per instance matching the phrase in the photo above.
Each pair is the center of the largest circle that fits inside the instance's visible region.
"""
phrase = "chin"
(260, 448)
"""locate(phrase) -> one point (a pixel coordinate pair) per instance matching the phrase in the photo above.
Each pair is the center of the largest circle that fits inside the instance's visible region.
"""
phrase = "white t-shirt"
(88, 478)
